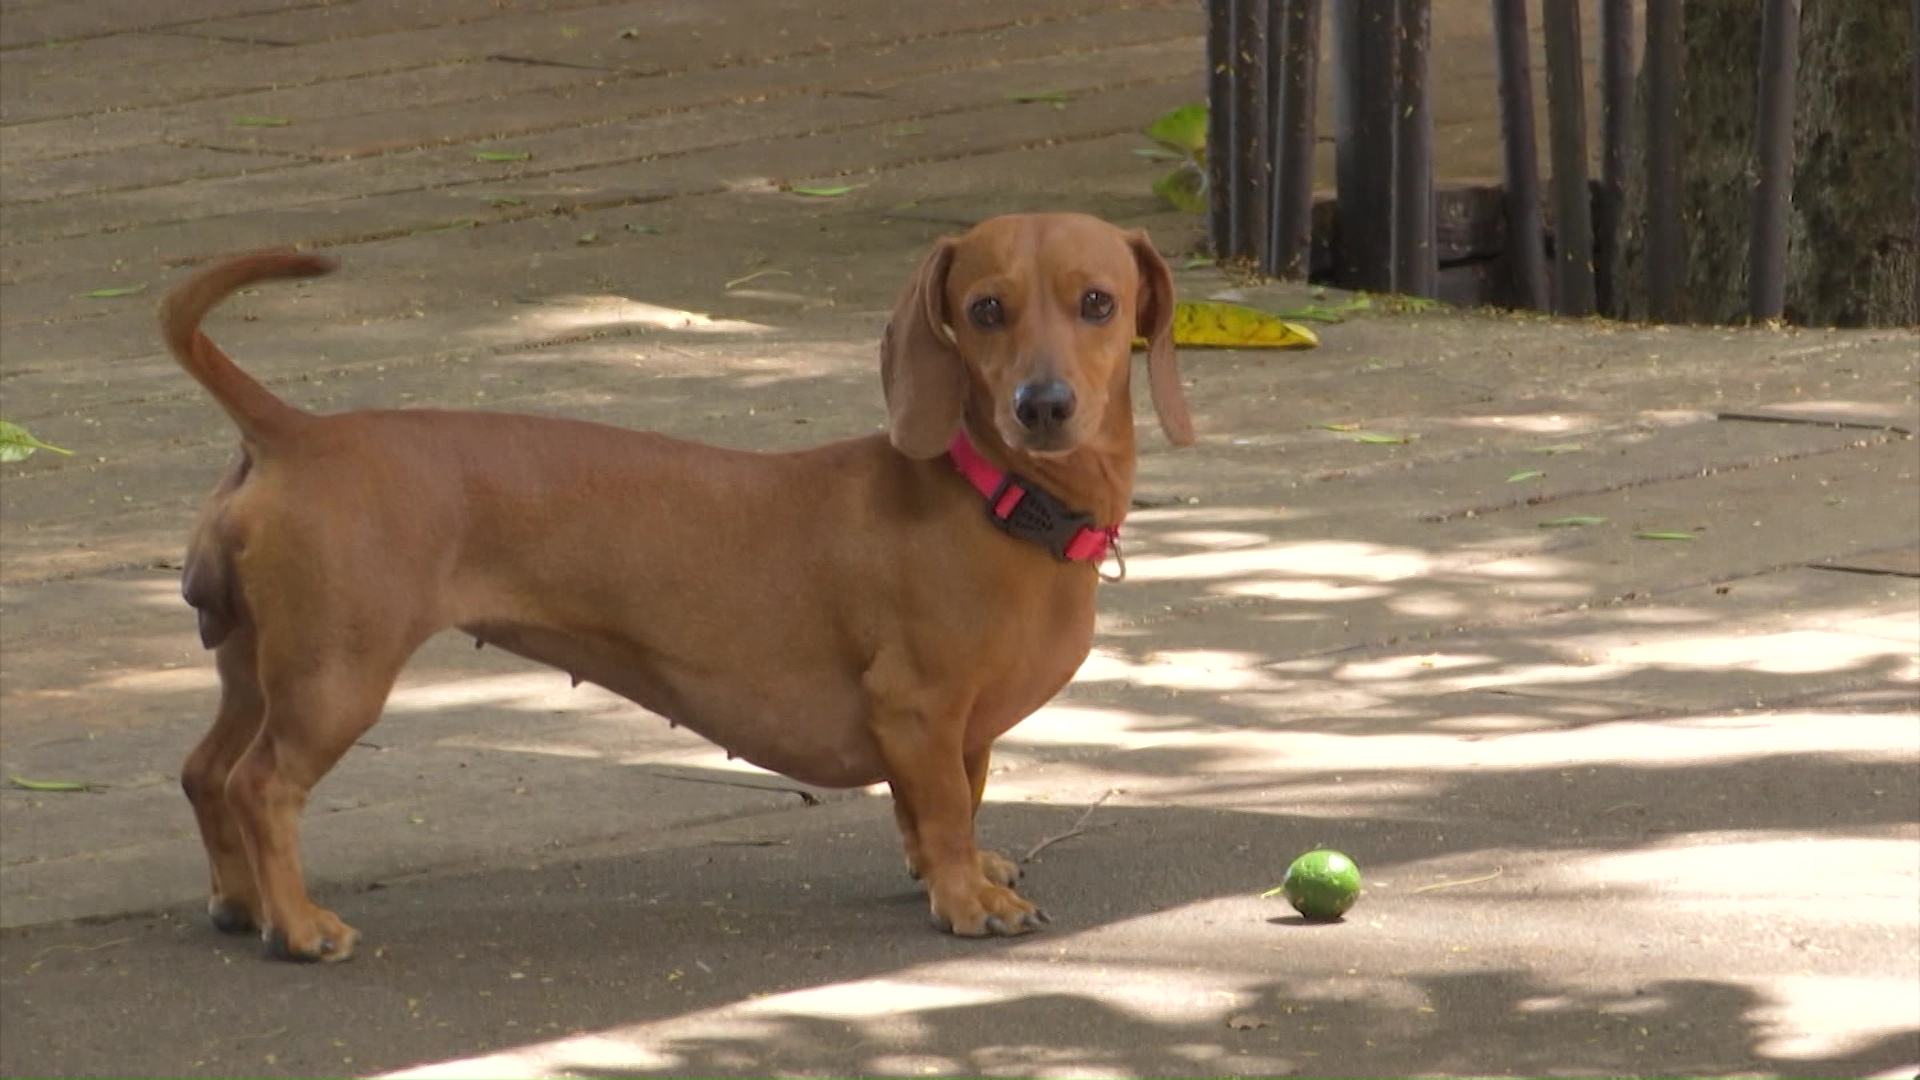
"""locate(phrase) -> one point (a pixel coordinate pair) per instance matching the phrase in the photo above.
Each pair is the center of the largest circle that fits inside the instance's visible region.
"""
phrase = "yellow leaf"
(1235, 326)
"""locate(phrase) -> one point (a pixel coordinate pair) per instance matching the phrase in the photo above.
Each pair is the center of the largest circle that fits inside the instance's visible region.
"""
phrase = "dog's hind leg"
(322, 693)
(233, 900)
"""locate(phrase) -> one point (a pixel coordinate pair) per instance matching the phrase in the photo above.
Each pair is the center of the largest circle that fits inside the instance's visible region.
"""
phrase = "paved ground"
(1627, 806)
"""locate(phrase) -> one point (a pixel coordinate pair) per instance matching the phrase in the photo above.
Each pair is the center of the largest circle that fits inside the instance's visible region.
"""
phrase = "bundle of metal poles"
(1263, 58)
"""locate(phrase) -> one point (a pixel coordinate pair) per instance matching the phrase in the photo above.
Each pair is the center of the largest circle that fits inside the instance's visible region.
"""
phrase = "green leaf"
(17, 444)
(629, 33)
(586, 238)
(636, 227)
(1379, 439)
(1573, 521)
(261, 121)
(1184, 187)
(48, 785)
(1157, 153)
(505, 200)
(907, 131)
(823, 191)
(1054, 96)
(115, 290)
(1183, 129)
(1655, 534)
(1338, 427)
(1198, 261)
(503, 155)
(1327, 313)
(1526, 474)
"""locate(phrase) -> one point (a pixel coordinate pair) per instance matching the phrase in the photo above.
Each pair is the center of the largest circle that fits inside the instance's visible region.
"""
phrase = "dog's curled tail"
(255, 410)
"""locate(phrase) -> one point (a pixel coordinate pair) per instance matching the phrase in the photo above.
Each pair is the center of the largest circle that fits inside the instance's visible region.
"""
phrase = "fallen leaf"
(1183, 129)
(505, 200)
(1327, 313)
(48, 785)
(907, 131)
(586, 238)
(1214, 323)
(261, 121)
(1559, 448)
(1379, 439)
(629, 33)
(1247, 1021)
(1526, 474)
(822, 191)
(1655, 534)
(636, 227)
(1053, 96)
(1198, 261)
(1572, 521)
(503, 155)
(1159, 153)
(1185, 188)
(17, 444)
(1339, 427)
(115, 290)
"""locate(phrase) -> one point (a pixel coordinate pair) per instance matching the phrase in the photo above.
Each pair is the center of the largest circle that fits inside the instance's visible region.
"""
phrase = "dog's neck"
(1095, 477)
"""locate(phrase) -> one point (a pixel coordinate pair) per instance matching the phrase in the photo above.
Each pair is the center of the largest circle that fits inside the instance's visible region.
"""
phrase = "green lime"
(1322, 884)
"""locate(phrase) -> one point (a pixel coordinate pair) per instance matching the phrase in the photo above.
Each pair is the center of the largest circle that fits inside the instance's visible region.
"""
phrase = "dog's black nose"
(1043, 406)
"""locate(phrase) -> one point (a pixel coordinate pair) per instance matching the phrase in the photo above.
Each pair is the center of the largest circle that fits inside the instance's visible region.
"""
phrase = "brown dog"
(865, 610)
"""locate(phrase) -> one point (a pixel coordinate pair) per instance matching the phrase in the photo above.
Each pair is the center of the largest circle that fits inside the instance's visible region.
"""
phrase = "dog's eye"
(987, 313)
(1096, 306)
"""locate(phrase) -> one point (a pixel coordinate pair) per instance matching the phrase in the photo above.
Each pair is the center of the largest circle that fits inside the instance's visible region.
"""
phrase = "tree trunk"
(1853, 244)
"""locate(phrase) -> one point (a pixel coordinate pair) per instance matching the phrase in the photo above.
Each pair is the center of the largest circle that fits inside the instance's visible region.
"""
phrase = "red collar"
(1024, 509)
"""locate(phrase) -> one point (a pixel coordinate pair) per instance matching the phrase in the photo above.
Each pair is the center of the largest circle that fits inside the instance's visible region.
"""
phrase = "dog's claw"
(998, 926)
(1039, 917)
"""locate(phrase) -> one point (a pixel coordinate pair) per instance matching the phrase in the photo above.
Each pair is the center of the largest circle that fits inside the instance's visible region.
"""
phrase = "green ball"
(1322, 884)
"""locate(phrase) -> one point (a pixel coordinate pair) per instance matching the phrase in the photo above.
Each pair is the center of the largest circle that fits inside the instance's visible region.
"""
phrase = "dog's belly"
(809, 728)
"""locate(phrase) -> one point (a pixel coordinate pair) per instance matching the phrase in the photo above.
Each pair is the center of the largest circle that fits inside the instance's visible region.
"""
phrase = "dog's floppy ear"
(1154, 316)
(920, 367)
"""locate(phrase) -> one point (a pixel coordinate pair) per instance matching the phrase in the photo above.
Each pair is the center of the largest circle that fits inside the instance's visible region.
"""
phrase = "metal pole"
(1663, 253)
(1294, 32)
(1254, 173)
(1416, 269)
(1616, 105)
(1526, 244)
(1567, 139)
(1363, 116)
(1773, 145)
(1221, 137)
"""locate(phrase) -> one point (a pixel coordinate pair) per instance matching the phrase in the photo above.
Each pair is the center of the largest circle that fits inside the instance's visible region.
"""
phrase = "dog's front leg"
(997, 867)
(934, 799)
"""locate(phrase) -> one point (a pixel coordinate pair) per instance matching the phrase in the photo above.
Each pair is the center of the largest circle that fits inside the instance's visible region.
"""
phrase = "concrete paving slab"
(1587, 830)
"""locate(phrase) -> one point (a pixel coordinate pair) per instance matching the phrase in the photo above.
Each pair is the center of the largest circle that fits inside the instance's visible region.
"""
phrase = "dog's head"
(1030, 319)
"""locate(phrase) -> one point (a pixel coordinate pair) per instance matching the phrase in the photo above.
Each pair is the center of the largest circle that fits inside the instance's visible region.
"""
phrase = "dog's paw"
(986, 911)
(996, 867)
(324, 938)
(231, 918)
(999, 869)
